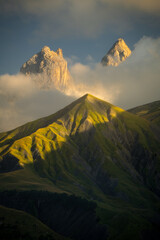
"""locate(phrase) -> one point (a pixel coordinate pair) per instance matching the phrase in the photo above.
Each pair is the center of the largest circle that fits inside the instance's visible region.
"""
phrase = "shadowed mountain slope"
(150, 111)
(18, 225)
(90, 132)
(91, 149)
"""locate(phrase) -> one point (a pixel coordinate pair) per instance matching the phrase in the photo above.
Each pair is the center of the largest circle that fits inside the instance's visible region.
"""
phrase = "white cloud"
(21, 101)
(16, 86)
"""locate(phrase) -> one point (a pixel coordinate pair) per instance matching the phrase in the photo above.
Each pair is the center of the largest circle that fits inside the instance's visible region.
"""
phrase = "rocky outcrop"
(117, 54)
(51, 67)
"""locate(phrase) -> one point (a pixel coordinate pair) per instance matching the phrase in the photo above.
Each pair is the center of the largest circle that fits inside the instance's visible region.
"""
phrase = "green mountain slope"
(91, 149)
(69, 215)
(16, 224)
(81, 143)
(150, 111)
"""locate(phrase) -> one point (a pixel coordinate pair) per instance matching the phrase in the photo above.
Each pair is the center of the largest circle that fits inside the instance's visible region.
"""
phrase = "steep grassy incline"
(89, 143)
(94, 150)
(150, 111)
(8, 138)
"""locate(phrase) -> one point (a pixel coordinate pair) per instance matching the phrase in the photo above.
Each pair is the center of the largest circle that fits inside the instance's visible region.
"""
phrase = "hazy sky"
(85, 30)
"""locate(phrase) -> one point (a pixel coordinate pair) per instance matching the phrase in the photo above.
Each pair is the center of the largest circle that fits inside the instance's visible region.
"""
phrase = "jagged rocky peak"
(117, 54)
(46, 51)
(52, 68)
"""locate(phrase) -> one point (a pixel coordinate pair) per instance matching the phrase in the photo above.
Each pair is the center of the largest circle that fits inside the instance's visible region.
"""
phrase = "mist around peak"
(134, 82)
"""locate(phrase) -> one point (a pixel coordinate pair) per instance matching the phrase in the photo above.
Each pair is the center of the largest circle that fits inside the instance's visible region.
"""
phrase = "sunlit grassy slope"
(150, 111)
(91, 149)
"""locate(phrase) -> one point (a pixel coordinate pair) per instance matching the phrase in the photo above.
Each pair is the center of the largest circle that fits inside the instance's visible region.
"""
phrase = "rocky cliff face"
(117, 54)
(51, 67)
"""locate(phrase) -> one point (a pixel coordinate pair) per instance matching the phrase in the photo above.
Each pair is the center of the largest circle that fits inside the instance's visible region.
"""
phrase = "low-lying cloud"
(22, 101)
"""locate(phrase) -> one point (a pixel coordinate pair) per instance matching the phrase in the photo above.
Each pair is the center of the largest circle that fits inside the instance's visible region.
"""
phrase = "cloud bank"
(134, 82)
(22, 101)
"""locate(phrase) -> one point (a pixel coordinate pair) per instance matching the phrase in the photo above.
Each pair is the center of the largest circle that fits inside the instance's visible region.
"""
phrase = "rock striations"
(117, 54)
(52, 68)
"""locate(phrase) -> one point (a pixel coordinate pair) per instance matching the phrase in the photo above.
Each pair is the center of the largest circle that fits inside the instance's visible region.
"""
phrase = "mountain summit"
(52, 67)
(117, 54)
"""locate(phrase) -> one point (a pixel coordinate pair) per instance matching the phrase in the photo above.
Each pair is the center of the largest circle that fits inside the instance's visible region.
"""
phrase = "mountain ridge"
(149, 111)
(49, 117)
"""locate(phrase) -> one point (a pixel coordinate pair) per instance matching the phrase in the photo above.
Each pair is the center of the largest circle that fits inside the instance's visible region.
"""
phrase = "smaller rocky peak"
(118, 53)
(59, 52)
(120, 40)
(120, 44)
